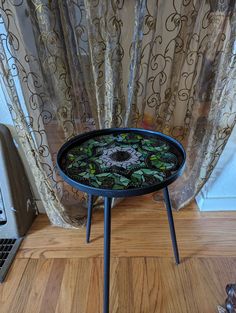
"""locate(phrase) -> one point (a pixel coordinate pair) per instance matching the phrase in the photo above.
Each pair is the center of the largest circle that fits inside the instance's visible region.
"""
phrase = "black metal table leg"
(107, 240)
(89, 217)
(171, 224)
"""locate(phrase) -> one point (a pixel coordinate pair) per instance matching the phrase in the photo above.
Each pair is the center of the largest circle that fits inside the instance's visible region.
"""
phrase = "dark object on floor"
(8, 249)
(17, 205)
(230, 302)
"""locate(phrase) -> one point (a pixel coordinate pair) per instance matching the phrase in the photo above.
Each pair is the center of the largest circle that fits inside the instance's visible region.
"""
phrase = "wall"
(219, 193)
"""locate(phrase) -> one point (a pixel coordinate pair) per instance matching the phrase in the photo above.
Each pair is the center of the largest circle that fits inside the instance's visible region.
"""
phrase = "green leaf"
(124, 181)
(81, 157)
(159, 177)
(163, 165)
(104, 175)
(83, 164)
(147, 171)
(70, 157)
(149, 148)
(138, 175)
(153, 157)
(162, 148)
(169, 165)
(94, 184)
(97, 181)
(99, 161)
(116, 186)
(84, 174)
(157, 163)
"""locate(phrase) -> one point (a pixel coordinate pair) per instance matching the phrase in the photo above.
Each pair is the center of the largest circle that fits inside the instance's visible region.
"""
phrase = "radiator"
(17, 205)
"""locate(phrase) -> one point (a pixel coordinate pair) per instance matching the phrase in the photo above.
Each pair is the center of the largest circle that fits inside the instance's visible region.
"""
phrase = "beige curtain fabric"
(72, 66)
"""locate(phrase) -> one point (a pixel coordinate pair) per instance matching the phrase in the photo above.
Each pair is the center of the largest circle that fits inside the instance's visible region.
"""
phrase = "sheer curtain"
(162, 65)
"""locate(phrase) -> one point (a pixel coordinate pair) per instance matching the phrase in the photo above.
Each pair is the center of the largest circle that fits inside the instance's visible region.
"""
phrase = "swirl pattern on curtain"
(76, 65)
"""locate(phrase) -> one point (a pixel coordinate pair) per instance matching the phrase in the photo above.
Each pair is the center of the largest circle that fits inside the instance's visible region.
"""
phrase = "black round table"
(121, 162)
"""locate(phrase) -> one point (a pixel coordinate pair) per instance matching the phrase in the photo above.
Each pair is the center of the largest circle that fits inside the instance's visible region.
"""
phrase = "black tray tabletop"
(121, 162)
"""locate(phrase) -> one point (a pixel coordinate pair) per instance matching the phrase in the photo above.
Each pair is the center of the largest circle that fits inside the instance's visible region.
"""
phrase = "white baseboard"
(215, 204)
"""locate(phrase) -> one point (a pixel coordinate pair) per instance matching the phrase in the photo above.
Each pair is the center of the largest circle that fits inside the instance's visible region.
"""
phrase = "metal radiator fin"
(8, 250)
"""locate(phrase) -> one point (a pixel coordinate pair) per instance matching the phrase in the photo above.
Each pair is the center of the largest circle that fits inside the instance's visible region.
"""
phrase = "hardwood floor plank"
(114, 297)
(125, 286)
(139, 282)
(52, 289)
(9, 287)
(40, 280)
(154, 285)
(67, 292)
(95, 293)
(19, 301)
(174, 287)
(81, 292)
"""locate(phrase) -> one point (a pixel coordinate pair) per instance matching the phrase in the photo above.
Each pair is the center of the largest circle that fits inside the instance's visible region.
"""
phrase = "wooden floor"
(55, 271)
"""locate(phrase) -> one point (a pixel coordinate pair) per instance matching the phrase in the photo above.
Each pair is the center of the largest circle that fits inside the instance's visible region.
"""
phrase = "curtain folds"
(76, 65)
